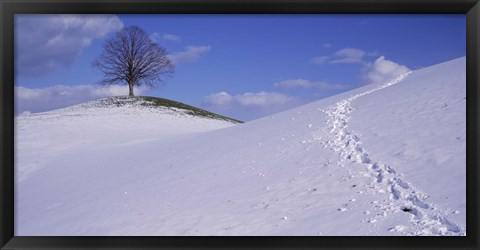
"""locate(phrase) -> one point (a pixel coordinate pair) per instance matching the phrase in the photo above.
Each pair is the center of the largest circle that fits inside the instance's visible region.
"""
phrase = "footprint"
(396, 194)
(379, 177)
(417, 202)
(402, 184)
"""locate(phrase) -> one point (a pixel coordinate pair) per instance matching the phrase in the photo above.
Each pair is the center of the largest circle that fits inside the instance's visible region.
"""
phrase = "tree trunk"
(130, 87)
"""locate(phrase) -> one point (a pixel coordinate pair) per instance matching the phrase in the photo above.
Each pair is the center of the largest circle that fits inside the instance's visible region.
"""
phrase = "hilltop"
(155, 102)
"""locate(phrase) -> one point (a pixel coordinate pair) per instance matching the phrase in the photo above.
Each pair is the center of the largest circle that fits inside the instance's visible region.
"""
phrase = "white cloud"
(190, 54)
(326, 45)
(167, 37)
(263, 99)
(220, 98)
(319, 59)
(172, 37)
(260, 99)
(347, 60)
(382, 70)
(306, 84)
(350, 53)
(44, 43)
(346, 55)
(249, 105)
(59, 96)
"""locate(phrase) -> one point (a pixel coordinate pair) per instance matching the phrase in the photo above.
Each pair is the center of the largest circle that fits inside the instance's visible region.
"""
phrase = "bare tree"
(131, 57)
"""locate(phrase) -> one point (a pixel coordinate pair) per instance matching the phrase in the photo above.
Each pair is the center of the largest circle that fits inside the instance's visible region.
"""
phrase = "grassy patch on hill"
(150, 101)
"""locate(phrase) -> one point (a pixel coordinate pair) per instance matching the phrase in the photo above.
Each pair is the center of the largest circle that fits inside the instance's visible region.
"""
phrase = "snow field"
(365, 162)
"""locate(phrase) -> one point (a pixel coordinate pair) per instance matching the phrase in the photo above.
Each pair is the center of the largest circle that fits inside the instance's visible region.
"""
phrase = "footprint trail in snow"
(425, 218)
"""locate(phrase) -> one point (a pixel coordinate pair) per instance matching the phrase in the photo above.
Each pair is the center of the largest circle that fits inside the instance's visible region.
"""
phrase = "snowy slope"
(99, 124)
(371, 161)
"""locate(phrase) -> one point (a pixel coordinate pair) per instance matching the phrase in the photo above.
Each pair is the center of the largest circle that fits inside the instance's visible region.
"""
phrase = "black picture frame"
(8, 8)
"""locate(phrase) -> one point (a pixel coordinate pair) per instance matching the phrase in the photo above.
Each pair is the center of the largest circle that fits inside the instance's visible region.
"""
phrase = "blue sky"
(243, 66)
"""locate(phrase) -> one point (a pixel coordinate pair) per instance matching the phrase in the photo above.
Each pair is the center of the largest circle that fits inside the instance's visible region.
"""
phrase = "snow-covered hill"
(385, 159)
(104, 124)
